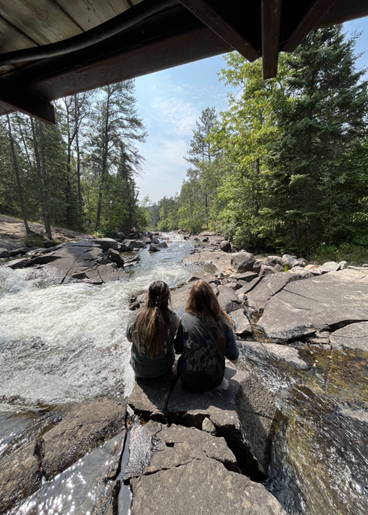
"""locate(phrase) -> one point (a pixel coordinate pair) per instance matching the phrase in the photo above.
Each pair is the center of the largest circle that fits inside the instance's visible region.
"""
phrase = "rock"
(242, 262)
(20, 475)
(300, 262)
(109, 273)
(266, 270)
(162, 245)
(288, 260)
(270, 285)
(257, 266)
(242, 410)
(343, 265)
(150, 396)
(4, 253)
(179, 296)
(114, 256)
(352, 336)
(225, 246)
(331, 266)
(156, 241)
(153, 248)
(140, 451)
(243, 291)
(107, 503)
(227, 299)
(86, 426)
(208, 427)
(327, 301)
(18, 263)
(106, 243)
(242, 325)
(276, 352)
(222, 260)
(273, 260)
(130, 245)
(16, 252)
(246, 276)
(206, 487)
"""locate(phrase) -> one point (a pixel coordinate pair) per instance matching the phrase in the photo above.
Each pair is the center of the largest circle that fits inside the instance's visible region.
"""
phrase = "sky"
(171, 101)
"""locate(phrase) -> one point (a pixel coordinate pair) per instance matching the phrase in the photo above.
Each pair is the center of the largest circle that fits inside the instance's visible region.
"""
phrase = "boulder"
(269, 286)
(150, 396)
(228, 299)
(156, 241)
(114, 256)
(225, 246)
(162, 245)
(153, 248)
(204, 484)
(106, 243)
(266, 270)
(133, 244)
(257, 266)
(331, 266)
(242, 262)
(221, 260)
(86, 426)
(20, 475)
(288, 260)
(242, 410)
(242, 324)
(273, 260)
(323, 302)
(4, 253)
(352, 336)
(300, 262)
(246, 277)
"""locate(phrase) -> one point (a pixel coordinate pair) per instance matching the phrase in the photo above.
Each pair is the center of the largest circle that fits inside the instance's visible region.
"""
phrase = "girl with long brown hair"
(204, 339)
(151, 331)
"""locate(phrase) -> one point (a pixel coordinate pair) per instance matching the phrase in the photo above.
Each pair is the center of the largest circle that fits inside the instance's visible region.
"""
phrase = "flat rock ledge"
(85, 427)
(202, 442)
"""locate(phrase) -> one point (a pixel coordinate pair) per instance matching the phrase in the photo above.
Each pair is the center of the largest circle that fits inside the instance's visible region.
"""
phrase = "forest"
(284, 168)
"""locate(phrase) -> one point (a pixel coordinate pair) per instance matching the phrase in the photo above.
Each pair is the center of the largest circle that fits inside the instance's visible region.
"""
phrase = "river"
(64, 344)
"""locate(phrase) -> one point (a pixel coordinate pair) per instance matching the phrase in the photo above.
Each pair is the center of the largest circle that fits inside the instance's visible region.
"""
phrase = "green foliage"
(354, 254)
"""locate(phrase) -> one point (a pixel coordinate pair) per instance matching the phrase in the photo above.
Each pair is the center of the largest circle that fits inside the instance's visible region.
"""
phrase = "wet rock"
(110, 272)
(156, 241)
(228, 299)
(225, 246)
(242, 410)
(130, 245)
(327, 301)
(21, 251)
(149, 396)
(242, 262)
(275, 352)
(162, 245)
(352, 336)
(4, 253)
(20, 475)
(140, 451)
(18, 263)
(204, 484)
(86, 426)
(153, 248)
(242, 325)
(107, 504)
(178, 445)
(114, 256)
(263, 291)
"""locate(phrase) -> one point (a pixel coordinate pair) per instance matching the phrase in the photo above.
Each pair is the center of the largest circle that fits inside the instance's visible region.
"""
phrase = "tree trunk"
(16, 171)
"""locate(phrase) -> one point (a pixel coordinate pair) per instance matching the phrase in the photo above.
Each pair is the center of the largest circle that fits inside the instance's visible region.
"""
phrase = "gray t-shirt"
(143, 365)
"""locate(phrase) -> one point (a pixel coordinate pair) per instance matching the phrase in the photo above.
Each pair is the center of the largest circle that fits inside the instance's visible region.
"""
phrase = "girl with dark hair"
(151, 331)
(204, 339)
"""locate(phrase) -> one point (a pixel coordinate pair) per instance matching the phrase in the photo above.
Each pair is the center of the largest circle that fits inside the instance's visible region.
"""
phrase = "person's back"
(151, 331)
(204, 338)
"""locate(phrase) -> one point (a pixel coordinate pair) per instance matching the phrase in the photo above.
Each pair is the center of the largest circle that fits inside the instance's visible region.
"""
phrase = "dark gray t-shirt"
(202, 365)
(143, 365)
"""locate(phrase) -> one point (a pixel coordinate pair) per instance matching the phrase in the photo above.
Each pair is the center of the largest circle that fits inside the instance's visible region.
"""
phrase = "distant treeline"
(79, 173)
(286, 166)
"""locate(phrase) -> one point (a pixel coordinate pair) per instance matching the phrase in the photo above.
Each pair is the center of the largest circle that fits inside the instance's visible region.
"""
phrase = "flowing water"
(64, 344)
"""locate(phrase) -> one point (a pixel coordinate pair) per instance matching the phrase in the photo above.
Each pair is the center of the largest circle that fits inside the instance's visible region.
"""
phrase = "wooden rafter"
(271, 21)
(205, 11)
(28, 103)
(310, 20)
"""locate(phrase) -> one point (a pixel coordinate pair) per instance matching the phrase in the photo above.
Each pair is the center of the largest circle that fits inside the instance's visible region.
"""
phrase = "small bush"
(34, 241)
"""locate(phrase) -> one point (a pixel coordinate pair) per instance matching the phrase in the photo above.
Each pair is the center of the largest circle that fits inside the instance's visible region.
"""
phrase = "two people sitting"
(203, 337)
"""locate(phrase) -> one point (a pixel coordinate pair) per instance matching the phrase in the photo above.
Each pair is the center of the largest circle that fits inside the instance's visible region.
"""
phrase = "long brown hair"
(203, 302)
(151, 323)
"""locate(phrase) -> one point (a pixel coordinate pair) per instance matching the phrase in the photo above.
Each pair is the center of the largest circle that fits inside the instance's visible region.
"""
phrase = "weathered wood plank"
(41, 20)
(12, 39)
(271, 22)
(90, 13)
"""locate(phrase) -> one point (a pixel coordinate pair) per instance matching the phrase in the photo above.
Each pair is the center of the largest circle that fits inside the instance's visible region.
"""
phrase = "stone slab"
(352, 336)
(322, 302)
(270, 285)
(275, 351)
(86, 426)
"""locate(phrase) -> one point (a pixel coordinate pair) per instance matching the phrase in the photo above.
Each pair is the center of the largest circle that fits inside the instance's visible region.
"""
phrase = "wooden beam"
(205, 11)
(342, 11)
(271, 22)
(310, 20)
(27, 103)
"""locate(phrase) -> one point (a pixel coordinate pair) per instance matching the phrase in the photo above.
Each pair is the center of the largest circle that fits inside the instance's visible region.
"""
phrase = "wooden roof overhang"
(54, 48)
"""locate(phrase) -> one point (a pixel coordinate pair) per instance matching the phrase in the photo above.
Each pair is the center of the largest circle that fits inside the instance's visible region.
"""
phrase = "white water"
(67, 343)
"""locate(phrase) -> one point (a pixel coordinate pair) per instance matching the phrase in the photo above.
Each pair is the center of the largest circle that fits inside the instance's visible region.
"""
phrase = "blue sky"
(170, 102)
